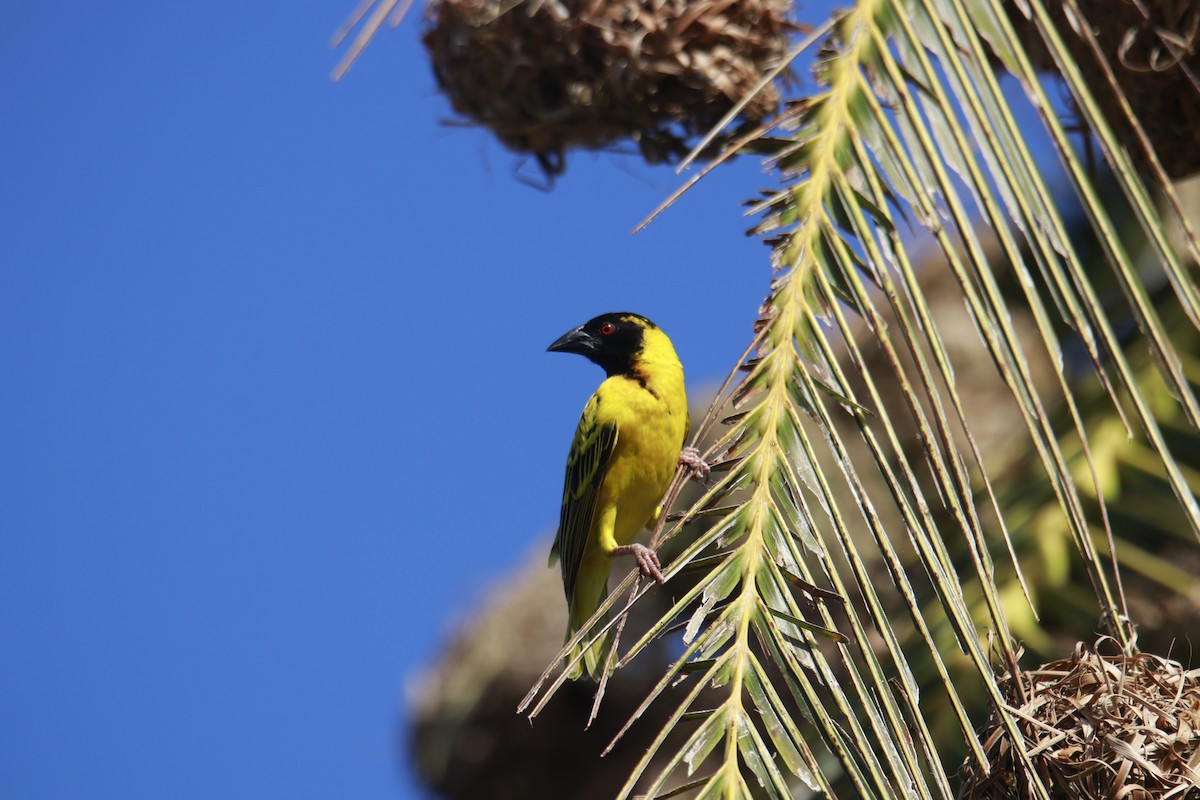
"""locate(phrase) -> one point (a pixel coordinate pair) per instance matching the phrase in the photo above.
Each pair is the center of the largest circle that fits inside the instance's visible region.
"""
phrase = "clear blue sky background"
(274, 403)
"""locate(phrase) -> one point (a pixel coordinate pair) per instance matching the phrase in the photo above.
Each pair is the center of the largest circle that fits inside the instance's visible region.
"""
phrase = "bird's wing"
(586, 466)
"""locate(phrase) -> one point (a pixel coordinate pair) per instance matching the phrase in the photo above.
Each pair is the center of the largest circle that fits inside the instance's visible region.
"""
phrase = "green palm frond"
(832, 558)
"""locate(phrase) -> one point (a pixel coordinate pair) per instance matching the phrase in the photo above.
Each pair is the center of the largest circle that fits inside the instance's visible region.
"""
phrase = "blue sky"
(276, 406)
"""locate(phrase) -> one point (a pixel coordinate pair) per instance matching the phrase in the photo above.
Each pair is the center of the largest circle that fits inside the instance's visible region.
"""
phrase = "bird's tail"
(590, 592)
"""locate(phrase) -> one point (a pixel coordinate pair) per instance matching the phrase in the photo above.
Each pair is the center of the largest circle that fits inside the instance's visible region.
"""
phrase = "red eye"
(607, 328)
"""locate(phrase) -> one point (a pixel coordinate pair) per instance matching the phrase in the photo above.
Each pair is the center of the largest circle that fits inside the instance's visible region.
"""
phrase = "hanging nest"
(549, 75)
(1153, 50)
(1097, 726)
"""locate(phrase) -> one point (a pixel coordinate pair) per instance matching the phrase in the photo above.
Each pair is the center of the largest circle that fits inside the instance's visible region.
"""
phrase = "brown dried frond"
(1098, 726)
(549, 75)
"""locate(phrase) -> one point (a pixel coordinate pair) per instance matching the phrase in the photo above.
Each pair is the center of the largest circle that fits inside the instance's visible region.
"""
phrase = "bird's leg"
(690, 457)
(646, 559)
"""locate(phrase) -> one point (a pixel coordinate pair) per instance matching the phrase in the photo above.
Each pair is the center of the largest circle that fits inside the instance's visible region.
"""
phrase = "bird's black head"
(611, 340)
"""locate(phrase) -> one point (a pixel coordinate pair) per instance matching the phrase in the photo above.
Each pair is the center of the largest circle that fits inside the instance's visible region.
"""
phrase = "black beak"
(576, 341)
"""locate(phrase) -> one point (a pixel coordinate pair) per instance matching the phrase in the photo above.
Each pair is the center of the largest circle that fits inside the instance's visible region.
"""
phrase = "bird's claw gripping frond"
(697, 467)
(647, 560)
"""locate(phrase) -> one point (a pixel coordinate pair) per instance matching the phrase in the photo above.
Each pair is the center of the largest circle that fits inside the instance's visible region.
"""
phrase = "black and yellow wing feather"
(587, 464)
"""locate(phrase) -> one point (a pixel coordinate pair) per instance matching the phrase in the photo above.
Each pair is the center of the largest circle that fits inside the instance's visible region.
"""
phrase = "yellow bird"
(628, 443)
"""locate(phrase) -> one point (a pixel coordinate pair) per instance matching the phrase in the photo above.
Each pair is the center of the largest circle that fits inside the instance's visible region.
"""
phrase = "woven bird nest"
(1153, 49)
(549, 75)
(1124, 727)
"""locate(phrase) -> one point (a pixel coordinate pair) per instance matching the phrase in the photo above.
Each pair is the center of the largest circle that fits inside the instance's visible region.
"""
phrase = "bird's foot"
(698, 468)
(647, 560)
